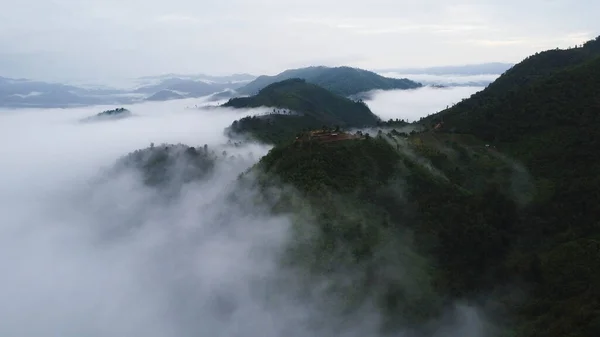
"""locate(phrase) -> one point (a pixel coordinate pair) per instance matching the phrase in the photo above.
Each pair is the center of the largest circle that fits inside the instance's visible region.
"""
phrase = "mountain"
(21, 92)
(343, 188)
(544, 113)
(539, 93)
(499, 194)
(203, 77)
(190, 87)
(340, 80)
(468, 69)
(492, 203)
(223, 95)
(184, 88)
(18, 93)
(165, 95)
(305, 105)
(410, 223)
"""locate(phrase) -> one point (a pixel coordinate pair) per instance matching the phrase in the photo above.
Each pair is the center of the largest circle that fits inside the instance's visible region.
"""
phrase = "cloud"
(499, 42)
(378, 25)
(171, 269)
(444, 79)
(411, 105)
(173, 18)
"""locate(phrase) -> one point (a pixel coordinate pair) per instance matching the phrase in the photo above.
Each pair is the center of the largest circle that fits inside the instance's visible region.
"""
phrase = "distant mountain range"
(204, 77)
(28, 93)
(187, 88)
(22, 93)
(344, 81)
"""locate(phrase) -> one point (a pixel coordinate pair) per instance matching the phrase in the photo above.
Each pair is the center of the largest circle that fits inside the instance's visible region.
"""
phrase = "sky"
(106, 39)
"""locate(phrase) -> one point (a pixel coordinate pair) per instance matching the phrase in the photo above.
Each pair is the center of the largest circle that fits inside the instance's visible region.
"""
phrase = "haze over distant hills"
(19, 93)
(345, 81)
(473, 75)
(29, 93)
(468, 69)
(340, 80)
(204, 77)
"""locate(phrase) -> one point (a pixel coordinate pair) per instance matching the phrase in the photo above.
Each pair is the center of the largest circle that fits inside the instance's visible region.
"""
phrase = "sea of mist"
(446, 80)
(201, 264)
(411, 105)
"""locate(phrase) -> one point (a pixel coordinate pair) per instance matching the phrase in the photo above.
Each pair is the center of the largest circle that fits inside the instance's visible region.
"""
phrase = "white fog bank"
(413, 104)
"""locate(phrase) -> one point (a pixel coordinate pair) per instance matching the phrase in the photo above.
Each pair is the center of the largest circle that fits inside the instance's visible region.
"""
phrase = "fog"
(65, 274)
(84, 256)
(455, 80)
(414, 104)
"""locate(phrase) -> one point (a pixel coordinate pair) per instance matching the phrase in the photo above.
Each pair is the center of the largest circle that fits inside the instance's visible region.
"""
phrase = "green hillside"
(311, 107)
(344, 81)
(539, 93)
(420, 227)
(545, 113)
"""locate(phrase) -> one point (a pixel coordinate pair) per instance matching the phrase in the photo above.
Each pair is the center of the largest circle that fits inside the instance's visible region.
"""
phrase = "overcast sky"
(102, 39)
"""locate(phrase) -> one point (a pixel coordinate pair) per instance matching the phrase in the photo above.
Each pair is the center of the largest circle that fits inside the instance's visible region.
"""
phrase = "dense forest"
(343, 81)
(117, 111)
(545, 113)
(313, 106)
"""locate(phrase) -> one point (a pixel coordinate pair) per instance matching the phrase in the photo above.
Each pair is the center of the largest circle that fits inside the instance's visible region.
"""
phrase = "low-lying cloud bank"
(413, 104)
(447, 80)
(88, 257)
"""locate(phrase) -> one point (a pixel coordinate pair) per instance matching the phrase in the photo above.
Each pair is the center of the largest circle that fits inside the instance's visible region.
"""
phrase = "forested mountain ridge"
(393, 204)
(489, 113)
(309, 106)
(344, 81)
(545, 113)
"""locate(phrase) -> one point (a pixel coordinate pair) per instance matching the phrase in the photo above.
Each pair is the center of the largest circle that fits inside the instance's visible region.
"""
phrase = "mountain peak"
(341, 80)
